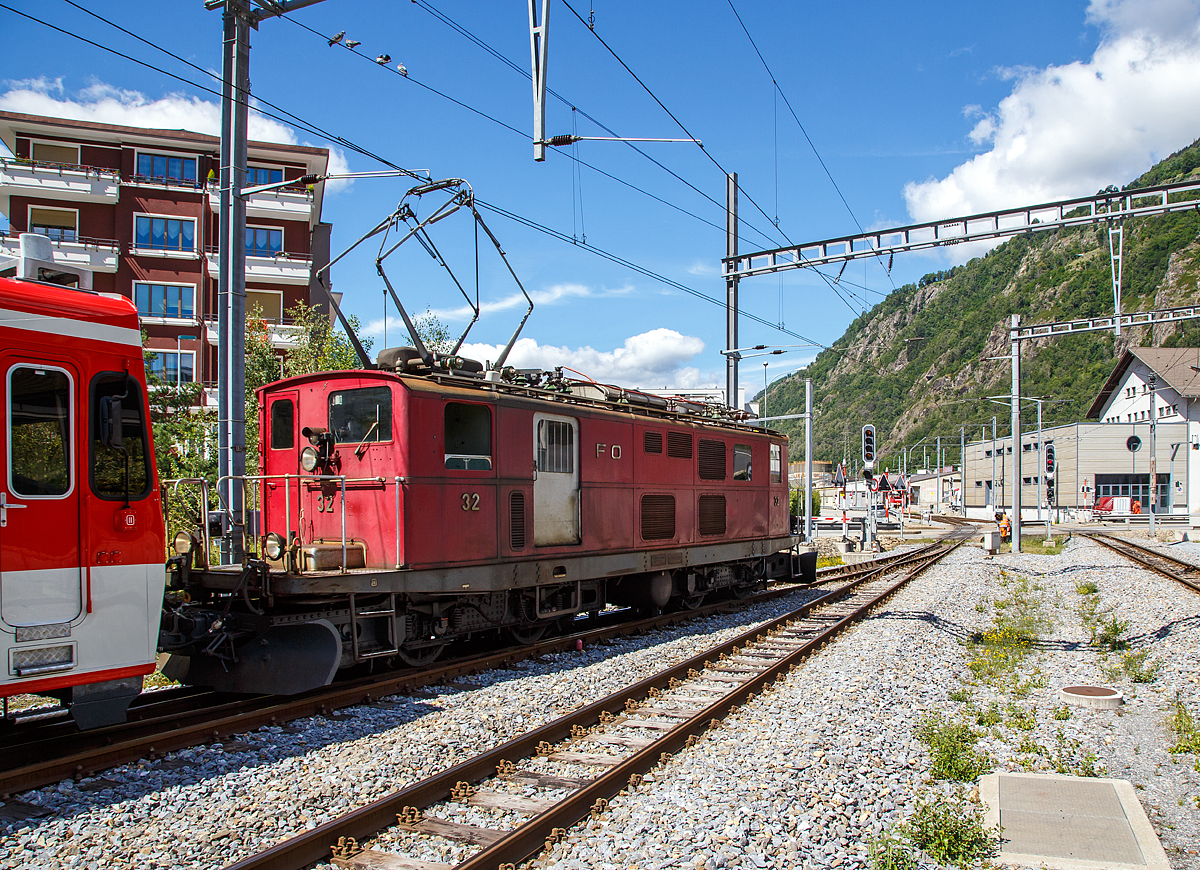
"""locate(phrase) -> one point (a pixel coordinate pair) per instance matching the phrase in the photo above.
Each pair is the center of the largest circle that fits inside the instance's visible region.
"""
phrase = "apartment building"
(138, 208)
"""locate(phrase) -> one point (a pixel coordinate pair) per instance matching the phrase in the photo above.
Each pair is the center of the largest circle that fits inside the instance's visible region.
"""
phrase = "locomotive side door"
(40, 565)
(556, 480)
(281, 498)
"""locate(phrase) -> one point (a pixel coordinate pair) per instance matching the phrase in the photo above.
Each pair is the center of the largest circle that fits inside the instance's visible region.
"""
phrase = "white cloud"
(104, 104)
(704, 268)
(1073, 129)
(550, 296)
(651, 360)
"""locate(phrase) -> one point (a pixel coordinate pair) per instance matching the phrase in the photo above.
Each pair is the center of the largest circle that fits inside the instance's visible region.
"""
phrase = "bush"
(892, 852)
(952, 746)
(950, 829)
(1187, 733)
(1109, 634)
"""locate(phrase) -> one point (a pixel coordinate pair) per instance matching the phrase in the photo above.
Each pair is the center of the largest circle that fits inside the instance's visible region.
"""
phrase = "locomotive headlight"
(308, 458)
(183, 543)
(273, 546)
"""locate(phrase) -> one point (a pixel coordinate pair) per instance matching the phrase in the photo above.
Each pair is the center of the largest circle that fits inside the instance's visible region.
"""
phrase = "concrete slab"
(1070, 822)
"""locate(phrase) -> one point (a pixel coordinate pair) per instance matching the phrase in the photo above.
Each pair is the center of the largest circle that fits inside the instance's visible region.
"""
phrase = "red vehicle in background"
(81, 530)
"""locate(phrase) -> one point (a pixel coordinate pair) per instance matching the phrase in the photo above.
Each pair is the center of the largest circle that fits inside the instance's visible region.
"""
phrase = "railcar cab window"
(468, 437)
(776, 464)
(39, 431)
(115, 393)
(361, 416)
(741, 462)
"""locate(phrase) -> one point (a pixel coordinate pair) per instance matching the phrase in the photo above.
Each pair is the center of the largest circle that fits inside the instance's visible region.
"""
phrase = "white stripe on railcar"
(69, 328)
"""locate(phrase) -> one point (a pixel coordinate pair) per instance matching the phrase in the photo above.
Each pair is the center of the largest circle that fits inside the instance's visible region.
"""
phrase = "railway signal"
(1050, 465)
(868, 444)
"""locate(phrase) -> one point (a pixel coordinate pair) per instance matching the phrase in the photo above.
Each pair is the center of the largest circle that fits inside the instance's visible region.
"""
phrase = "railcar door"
(556, 481)
(281, 496)
(40, 567)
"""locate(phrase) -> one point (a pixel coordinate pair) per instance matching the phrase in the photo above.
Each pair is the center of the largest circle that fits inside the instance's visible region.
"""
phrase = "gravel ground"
(809, 773)
(804, 776)
(210, 805)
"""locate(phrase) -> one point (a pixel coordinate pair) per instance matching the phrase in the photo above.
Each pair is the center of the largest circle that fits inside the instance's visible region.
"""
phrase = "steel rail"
(156, 736)
(1186, 573)
(315, 845)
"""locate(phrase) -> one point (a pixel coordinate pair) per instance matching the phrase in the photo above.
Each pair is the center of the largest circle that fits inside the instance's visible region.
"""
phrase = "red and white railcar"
(81, 528)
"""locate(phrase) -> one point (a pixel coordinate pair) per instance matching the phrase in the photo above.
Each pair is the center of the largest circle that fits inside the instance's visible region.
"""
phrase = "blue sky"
(919, 111)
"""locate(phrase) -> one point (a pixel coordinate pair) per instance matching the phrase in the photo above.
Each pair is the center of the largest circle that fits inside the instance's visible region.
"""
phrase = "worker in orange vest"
(1005, 529)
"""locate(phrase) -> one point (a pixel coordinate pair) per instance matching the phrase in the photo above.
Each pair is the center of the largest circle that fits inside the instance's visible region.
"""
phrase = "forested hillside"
(916, 364)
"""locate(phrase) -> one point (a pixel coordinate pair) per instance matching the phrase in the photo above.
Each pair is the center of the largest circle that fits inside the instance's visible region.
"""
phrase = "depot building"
(1108, 456)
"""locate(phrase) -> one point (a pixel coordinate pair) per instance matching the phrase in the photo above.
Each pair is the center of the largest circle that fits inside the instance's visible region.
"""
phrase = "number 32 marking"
(470, 501)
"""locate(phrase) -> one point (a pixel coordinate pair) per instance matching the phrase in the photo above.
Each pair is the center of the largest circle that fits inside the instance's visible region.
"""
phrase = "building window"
(165, 234)
(263, 242)
(163, 166)
(171, 366)
(57, 223)
(256, 175)
(164, 300)
(45, 152)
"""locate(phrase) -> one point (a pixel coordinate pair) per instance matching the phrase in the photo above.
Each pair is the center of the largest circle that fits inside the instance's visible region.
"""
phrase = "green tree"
(434, 332)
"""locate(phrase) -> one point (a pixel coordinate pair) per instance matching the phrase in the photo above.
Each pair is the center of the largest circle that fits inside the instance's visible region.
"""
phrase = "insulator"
(562, 141)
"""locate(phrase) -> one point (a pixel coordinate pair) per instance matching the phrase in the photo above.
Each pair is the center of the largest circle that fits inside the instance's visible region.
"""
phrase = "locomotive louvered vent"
(652, 442)
(516, 523)
(658, 517)
(712, 459)
(679, 445)
(712, 514)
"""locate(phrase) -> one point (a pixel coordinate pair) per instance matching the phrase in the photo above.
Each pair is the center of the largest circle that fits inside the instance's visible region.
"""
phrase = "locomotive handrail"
(204, 500)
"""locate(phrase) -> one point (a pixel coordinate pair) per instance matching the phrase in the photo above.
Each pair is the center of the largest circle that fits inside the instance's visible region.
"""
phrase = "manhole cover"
(1096, 697)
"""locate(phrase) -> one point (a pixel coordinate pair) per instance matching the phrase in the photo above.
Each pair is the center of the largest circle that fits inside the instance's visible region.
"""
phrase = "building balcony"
(284, 334)
(65, 181)
(282, 268)
(95, 255)
(281, 204)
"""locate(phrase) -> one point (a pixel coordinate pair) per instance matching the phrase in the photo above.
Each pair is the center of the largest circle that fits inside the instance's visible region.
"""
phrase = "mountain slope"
(916, 365)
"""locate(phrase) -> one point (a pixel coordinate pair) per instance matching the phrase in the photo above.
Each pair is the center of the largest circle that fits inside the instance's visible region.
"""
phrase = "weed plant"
(1187, 732)
(1069, 757)
(1136, 667)
(1020, 718)
(829, 561)
(962, 696)
(1088, 587)
(952, 747)
(950, 829)
(1062, 713)
(988, 717)
(892, 852)
(1019, 621)
(1109, 634)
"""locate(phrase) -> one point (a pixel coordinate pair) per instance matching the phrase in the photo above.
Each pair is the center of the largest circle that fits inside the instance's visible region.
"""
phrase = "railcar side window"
(555, 446)
(362, 415)
(776, 464)
(108, 463)
(283, 425)
(741, 462)
(39, 435)
(468, 437)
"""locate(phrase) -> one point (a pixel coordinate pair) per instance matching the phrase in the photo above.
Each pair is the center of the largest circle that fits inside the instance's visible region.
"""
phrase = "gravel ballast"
(806, 775)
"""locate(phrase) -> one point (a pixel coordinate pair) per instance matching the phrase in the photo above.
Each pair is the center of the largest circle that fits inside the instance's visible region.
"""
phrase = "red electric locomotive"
(404, 509)
(81, 528)
(424, 499)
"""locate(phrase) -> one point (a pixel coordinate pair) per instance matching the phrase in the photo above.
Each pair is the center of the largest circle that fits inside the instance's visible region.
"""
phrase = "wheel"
(421, 656)
(692, 602)
(523, 635)
(744, 590)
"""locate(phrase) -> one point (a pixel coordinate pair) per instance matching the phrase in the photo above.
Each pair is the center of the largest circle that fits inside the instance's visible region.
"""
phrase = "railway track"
(170, 720)
(617, 739)
(1183, 572)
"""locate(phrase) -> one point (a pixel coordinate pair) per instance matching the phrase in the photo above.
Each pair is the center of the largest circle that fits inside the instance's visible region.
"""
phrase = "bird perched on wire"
(402, 69)
(337, 38)
(350, 43)
(383, 59)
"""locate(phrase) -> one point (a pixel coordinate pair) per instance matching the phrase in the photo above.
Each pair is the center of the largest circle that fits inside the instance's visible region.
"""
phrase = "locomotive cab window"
(283, 425)
(741, 462)
(118, 436)
(468, 437)
(39, 432)
(776, 463)
(361, 416)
